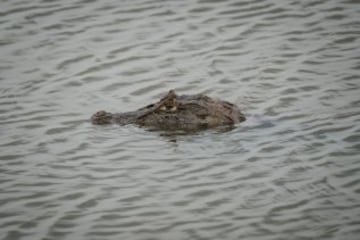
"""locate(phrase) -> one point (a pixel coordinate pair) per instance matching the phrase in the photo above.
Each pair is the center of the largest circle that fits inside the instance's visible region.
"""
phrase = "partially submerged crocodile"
(173, 112)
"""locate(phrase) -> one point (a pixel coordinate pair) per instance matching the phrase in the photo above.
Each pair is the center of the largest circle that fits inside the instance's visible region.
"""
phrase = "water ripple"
(289, 171)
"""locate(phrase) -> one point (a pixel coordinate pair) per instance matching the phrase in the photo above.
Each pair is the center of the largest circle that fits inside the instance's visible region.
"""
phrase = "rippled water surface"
(291, 171)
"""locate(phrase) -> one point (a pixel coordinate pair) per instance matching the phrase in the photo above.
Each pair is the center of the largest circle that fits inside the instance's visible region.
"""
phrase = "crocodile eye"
(162, 108)
(173, 109)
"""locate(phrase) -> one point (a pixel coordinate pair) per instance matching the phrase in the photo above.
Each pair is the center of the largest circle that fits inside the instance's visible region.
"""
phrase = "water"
(291, 171)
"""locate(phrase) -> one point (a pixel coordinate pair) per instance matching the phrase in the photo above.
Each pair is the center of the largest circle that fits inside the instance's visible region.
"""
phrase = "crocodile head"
(177, 113)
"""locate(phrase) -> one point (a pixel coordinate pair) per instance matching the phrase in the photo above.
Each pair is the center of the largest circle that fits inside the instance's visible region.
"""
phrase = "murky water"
(291, 171)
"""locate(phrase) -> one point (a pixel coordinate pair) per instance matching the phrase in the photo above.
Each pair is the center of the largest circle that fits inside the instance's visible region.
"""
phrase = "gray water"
(291, 171)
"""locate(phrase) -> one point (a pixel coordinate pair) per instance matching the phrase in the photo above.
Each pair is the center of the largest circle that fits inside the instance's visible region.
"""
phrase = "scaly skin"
(186, 112)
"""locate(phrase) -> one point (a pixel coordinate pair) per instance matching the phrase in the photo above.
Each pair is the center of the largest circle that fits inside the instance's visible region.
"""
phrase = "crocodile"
(177, 112)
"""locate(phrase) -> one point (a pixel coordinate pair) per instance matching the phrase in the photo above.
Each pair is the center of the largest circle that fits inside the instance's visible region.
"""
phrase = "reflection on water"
(291, 171)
